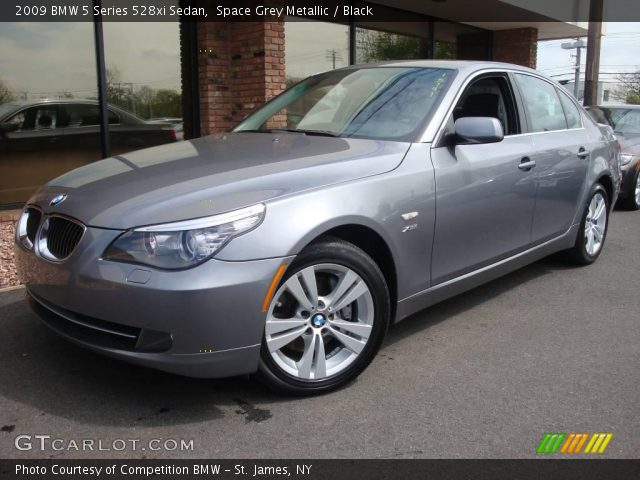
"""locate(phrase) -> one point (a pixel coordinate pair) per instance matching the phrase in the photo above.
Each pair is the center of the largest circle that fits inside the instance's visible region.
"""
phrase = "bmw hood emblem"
(58, 199)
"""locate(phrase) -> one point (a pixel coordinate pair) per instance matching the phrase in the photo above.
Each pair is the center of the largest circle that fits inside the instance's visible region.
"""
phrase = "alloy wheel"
(637, 190)
(319, 321)
(595, 224)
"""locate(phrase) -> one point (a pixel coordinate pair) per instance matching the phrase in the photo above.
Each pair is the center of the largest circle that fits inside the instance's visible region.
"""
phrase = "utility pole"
(578, 45)
(333, 55)
(592, 75)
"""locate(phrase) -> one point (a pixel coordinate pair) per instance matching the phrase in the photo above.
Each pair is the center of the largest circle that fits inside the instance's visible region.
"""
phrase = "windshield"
(623, 120)
(383, 103)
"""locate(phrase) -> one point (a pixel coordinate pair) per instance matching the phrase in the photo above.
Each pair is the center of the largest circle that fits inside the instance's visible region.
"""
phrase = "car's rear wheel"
(593, 228)
(326, 321)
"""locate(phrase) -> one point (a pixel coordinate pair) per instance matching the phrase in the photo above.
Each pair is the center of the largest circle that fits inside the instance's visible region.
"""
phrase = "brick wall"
(519, 46)
(241, 66)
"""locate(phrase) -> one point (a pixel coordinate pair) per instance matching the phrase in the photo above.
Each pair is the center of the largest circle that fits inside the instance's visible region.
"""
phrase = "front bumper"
(201, 322)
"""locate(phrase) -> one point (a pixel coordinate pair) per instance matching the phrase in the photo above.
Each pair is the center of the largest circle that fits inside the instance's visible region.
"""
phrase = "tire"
(632, 202)
(584, 252)
(311, 347)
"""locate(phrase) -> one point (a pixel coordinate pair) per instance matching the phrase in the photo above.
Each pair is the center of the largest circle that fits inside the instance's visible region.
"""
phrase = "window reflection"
(45, 69)
(313, 47)
(382, 42)
(459, 41)
(144, 90)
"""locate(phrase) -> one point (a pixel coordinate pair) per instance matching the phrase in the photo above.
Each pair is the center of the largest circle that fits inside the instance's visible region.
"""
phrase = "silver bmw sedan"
(352, 200)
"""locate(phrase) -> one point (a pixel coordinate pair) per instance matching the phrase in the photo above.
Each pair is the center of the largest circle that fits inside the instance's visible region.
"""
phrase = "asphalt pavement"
(549, 348)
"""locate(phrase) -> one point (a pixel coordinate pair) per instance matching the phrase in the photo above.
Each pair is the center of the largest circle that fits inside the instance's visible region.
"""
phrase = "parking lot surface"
(549, 348)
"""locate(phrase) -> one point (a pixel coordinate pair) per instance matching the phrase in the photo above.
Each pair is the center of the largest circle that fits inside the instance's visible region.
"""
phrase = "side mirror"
(477, 130)
(8, 127)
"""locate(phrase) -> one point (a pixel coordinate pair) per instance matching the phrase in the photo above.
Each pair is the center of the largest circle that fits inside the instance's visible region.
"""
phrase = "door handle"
(526, 164)
(582, 153)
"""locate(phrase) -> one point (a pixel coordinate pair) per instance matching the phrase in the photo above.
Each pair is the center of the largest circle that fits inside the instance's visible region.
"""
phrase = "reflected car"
(287, 247)
(42, 140)
(625, 121)
(176, 123)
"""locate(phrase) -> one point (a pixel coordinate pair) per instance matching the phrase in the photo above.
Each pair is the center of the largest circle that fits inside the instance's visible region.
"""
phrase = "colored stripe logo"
(574, 443)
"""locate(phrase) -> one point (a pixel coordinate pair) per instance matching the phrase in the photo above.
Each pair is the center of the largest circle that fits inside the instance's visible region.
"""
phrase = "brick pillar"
(519, 46)
(241, 66)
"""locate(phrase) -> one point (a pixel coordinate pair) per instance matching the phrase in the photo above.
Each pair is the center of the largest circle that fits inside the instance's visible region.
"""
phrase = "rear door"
(485, 194)
(561, 151)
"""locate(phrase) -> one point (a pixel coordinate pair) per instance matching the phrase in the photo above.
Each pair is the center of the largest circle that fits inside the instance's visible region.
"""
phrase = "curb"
(11, 289)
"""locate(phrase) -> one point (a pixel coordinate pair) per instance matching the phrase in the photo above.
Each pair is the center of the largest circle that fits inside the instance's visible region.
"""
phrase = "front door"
(485, 194)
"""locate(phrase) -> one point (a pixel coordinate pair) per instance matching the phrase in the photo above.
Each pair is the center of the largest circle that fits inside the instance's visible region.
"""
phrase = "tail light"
(172, 134)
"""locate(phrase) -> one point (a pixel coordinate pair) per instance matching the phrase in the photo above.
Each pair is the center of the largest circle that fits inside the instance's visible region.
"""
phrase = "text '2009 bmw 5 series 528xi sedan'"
(351, 201)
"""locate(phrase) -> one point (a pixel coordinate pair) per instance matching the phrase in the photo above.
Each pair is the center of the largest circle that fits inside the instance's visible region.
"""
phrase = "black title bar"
(326, 10)
(323, 469)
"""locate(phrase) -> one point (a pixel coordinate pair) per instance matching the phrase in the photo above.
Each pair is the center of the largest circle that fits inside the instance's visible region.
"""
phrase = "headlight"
(626, 158)
(183, 244)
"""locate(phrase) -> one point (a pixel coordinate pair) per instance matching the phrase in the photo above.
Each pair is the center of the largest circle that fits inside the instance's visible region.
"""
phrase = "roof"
(466, 66)
(627, 106)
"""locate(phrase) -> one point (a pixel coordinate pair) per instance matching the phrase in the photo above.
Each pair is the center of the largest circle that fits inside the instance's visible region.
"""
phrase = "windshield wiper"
(319, 133)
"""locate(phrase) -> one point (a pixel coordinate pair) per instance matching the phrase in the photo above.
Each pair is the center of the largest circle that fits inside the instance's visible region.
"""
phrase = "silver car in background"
(625, 122)
(349, 202)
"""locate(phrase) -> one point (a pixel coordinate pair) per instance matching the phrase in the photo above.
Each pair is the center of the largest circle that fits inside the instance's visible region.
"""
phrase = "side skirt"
(455, 286)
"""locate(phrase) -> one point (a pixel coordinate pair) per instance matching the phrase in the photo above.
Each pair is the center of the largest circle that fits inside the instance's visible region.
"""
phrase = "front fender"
(376, 202)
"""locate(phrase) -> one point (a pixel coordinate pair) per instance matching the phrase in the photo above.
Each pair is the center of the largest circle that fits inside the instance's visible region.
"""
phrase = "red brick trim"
(9, 215)
(241, 66)
(518, 45)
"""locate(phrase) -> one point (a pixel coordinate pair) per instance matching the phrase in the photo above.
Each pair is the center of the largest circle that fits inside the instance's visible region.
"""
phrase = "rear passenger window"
(543, 105)
(84, 115)
(571, 111)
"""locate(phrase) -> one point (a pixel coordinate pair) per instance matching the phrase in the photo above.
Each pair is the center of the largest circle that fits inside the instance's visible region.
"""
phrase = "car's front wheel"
(326, 321)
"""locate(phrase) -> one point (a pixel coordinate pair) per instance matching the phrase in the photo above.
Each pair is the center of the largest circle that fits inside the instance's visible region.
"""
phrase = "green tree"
(144, 101)
(118, 93)
(167, 103)
(291, 81)
(444, 50)
(5, 94)
(376, 46)
(628, 88)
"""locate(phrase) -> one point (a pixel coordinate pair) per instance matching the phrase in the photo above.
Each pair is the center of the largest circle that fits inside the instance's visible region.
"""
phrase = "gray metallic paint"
(311, 185)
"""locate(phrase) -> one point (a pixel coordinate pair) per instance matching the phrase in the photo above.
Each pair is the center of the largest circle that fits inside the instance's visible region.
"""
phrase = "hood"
(211, 175)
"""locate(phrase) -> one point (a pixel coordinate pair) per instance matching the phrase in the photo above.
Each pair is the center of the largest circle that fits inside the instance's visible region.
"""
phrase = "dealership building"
(198, 78)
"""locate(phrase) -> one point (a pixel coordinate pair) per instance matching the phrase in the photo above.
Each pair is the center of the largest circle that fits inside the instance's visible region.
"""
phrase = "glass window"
(43, 62)
(628, 122)
(313, 47)
(458, 41)
(489, 97)
(571, 111)
(144, 83)
(374, 45)
(543, 105)
(386, 103)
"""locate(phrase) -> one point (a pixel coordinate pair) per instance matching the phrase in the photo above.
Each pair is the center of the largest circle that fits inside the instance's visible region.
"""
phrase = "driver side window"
(489, 97)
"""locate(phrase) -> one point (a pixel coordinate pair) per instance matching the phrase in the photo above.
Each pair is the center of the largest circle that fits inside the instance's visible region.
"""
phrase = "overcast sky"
(47, 59)
(620, 53)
